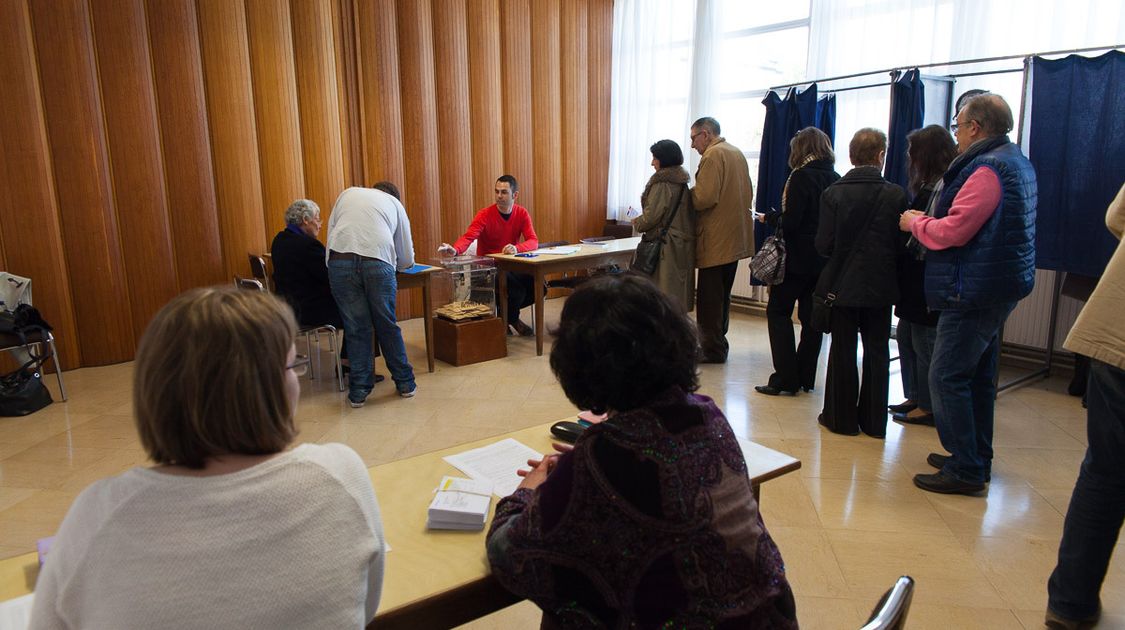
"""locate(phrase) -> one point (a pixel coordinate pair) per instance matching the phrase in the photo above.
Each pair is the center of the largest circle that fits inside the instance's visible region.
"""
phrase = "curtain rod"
(949, 63)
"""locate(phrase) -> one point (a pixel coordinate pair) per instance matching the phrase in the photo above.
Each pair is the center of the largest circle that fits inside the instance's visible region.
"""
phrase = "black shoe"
(924, 418)
(824, 423)
(942, 483)
(903, 407)
(807, 388)
(938, 461)
(347, 370)
(770, 390)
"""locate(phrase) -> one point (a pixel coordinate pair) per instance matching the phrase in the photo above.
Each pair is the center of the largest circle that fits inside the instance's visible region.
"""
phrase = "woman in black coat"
(811, 158)
(859, 233)
(930, 150)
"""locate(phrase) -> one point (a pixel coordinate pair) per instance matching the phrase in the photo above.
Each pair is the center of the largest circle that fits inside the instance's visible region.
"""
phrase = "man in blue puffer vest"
(981, 262)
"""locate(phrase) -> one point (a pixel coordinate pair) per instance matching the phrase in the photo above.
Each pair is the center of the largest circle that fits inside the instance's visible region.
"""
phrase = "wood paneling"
(148, 145)
(133, 135)
(420, 195)
(451, 59)
(186, 134)
(318, 98)
(76, 137)
(486, 84)
(234, 147)
(515, 63)
(29, 218)
(275, 109)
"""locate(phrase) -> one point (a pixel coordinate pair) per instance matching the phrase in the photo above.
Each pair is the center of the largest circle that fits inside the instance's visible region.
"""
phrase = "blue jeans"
(921, 352)
(1097, 506)
(966, 355)
(365, 292)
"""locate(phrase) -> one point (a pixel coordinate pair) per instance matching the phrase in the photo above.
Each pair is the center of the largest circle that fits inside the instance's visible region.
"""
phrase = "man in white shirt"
(368, 240)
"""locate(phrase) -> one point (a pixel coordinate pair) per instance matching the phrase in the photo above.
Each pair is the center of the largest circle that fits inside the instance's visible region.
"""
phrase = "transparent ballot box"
(464, 289)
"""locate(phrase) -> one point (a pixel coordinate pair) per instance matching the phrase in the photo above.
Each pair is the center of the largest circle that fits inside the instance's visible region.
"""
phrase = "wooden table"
(619, 251)
(433, 578)
(424, 280)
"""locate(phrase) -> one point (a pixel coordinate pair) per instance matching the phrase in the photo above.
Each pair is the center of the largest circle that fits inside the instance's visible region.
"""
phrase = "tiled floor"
(848, 523)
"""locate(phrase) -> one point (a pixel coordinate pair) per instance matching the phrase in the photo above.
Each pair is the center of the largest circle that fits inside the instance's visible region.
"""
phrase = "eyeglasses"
(953, 127)
(300, 366)
(695, 135)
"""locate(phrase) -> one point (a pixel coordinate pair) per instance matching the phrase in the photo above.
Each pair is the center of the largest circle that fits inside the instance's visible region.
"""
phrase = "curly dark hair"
(621, 343)
(929, 151)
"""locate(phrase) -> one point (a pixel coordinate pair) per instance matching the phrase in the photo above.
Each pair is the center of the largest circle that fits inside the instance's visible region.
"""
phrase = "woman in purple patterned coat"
(650, 520)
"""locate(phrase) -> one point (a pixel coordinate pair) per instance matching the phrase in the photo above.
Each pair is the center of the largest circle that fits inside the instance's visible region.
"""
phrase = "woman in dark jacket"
(859, 213)
(930, 150)
(811, 158)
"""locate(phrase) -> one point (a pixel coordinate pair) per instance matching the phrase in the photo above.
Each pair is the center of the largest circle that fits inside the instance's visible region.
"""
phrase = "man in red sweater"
(497, 229)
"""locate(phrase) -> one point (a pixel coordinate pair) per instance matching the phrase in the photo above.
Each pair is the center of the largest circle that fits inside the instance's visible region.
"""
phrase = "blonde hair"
(210, 377)
(810, 142)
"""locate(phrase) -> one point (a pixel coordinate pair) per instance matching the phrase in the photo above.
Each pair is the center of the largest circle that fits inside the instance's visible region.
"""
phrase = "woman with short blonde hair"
(228, 529)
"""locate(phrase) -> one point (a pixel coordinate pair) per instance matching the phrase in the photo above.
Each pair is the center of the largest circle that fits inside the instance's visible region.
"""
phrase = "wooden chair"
(890, 613)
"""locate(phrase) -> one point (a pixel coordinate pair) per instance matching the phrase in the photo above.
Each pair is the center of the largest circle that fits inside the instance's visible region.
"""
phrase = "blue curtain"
(1077, 145)
(908, 110)
(784, 118)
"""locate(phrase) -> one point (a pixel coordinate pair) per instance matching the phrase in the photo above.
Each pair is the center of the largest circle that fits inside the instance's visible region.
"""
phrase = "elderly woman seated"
(228, 529)
(650, 521)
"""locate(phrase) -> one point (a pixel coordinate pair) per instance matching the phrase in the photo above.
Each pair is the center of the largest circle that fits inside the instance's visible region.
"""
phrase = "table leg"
(428, 320)
(539, 295)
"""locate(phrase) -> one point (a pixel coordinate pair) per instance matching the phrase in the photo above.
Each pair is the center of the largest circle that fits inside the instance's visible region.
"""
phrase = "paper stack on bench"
(460, 504)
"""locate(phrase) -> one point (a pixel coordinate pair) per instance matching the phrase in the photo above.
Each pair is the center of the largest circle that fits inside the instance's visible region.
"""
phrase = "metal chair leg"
(58, 366)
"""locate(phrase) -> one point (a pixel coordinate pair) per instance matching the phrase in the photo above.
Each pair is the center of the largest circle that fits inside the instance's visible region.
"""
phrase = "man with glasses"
(981, 261)
(725, 232)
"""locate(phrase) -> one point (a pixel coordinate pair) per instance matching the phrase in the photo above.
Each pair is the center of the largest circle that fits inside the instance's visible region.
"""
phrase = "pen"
(526, 255)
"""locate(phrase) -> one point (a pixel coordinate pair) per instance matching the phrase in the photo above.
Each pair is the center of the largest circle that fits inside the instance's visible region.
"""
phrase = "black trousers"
(712, 310)
(521, 293)
(793, 366)
(849, 406)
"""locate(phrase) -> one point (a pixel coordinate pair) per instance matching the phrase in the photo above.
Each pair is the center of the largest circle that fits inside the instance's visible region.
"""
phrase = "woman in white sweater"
(228, 529)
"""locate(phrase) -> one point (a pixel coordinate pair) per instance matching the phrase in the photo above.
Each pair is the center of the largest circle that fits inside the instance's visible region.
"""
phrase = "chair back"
(890, 613)
(258, 269)
(249, 284)
(618, 230)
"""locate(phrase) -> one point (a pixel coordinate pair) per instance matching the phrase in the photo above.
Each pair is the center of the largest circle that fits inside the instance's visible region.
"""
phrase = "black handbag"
(22, 392)
(647, 257)
(821, 317)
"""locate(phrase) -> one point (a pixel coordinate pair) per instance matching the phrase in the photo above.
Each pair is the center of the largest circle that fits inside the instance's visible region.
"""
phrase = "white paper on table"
(496, 463)
(559, 250)
(15, 614)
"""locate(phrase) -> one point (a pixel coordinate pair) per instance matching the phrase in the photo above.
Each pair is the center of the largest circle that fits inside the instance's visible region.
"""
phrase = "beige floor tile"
(864, 460)
(830, 613)
(874, 506)
(1032, 432)
(785, 502)
(12, 496)
(943, 571)
(1040, 468)
(26, 522)
(939, 617)
(1007, 510)
(522, 615)
(1018, 567)
(810, 563)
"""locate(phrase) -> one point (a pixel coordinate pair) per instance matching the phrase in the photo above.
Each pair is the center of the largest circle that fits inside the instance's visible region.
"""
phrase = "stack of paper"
(460, 504)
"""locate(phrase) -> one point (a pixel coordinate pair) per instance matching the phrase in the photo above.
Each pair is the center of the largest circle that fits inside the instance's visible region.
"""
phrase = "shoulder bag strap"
(672, 217)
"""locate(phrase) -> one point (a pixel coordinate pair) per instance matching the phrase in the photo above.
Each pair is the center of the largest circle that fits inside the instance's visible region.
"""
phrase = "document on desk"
(496, 463)
(561, 250)
(15, 614)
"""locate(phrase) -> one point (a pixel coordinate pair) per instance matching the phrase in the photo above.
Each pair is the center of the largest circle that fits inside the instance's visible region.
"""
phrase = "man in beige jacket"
(725, 232)
(1097, 506)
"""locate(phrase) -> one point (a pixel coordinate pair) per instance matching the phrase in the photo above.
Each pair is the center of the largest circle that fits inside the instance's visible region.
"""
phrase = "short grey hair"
(300, 211)
(991, 112)
(708, 124)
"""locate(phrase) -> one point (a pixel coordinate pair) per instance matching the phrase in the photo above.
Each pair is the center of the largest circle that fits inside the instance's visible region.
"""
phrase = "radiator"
(1029, 323)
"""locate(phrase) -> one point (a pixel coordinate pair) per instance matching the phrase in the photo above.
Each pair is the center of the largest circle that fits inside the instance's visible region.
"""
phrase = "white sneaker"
(356, 405)
(409, 394)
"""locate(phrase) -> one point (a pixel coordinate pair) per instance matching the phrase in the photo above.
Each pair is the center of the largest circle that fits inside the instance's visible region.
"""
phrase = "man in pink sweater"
(497, 229)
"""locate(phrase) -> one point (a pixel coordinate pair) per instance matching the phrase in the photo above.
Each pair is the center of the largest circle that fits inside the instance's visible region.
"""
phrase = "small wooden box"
(465, 343)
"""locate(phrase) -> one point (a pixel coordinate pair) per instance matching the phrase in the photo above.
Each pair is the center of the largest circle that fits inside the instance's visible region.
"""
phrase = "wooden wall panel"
(234, 147)
(515, 63)
(184, 129)
(574, 117)
(29, 216)
(344, 16)
(76, 137)
(421, 194)
(380, 92)
(270, 38)
(546, 118)
(318, 98)
(599, 38)
(486, 84)
(133, 137)
(451, 60)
